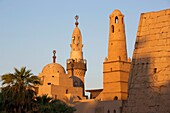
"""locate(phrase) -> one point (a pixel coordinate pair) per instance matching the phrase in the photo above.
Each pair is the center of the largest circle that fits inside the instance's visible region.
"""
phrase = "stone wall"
(92, 106)
(115, 80)
(149, 82)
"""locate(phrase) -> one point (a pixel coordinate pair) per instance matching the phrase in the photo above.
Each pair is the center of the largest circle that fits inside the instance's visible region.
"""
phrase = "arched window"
(78, 40)
(116, 19)
(115, 98)
(73, 38)
(75, 83)
(114, 111)
(155, 69)
(108, 111)
(66, 91)
(112, 28)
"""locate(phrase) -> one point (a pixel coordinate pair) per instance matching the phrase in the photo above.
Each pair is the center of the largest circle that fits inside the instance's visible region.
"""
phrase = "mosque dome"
(53, 68)
(116, 12)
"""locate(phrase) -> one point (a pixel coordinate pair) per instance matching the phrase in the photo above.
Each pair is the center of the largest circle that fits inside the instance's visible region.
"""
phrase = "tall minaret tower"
(76, 65)
(116, 66)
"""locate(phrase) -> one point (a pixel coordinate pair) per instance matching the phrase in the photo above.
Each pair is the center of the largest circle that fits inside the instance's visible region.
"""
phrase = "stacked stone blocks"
(149, 83)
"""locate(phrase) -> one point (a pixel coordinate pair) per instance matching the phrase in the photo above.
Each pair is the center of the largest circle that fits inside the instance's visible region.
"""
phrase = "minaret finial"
(76, 23)
(54, 57)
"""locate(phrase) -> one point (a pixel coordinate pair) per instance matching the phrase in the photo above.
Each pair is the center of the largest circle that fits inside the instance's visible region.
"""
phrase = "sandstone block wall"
(115, 80)
(92, 106)
(149, 83)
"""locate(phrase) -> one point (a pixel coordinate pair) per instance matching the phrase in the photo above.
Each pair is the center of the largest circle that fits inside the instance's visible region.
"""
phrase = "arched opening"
(112, 28)
(108, 111)
(115, 98)
(114, 111)
(155, 69)
(116, 19)
(75, 83)
(73, 39)
(66, 91)
(78, 40)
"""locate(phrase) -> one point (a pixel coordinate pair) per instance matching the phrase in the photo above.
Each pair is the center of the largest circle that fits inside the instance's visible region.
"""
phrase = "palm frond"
(7, 79)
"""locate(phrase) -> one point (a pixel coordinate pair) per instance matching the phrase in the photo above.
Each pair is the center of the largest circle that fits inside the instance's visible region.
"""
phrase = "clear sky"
(31, 29)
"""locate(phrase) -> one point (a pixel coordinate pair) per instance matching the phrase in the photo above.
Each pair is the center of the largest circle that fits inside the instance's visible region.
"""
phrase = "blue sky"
(31, 29)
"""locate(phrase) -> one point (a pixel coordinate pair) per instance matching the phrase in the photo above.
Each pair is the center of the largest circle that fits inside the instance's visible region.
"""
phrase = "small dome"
(116, 12)
(53, 68)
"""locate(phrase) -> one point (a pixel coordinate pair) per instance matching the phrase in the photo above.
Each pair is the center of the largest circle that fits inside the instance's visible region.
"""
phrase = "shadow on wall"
(149, 81)
(77, 82)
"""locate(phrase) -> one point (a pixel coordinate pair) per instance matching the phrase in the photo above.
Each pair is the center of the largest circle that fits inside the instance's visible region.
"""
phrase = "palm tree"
(23, 79)
(45, 104)
(18, 95)
(18, 90)
(42, 104)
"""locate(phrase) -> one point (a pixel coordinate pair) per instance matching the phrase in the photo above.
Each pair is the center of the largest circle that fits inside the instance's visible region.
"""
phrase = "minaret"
(76, 45)
(117, 39)
(76, 65)
(116, 66)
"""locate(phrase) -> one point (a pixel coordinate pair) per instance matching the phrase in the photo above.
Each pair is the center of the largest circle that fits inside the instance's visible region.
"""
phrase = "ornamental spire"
(76, 23)
(54, 57)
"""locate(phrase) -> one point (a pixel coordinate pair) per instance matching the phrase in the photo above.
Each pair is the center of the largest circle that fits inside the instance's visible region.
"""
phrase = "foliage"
(18, 95)
(18, 90)
(45, 104)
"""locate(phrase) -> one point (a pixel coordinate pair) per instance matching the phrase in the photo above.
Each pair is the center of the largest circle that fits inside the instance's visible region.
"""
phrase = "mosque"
(55, 82)
(126, 86)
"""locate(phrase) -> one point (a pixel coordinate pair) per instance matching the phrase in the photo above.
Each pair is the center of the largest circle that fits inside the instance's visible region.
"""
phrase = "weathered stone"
(163, 18)
(149, 80)
(167, 12)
